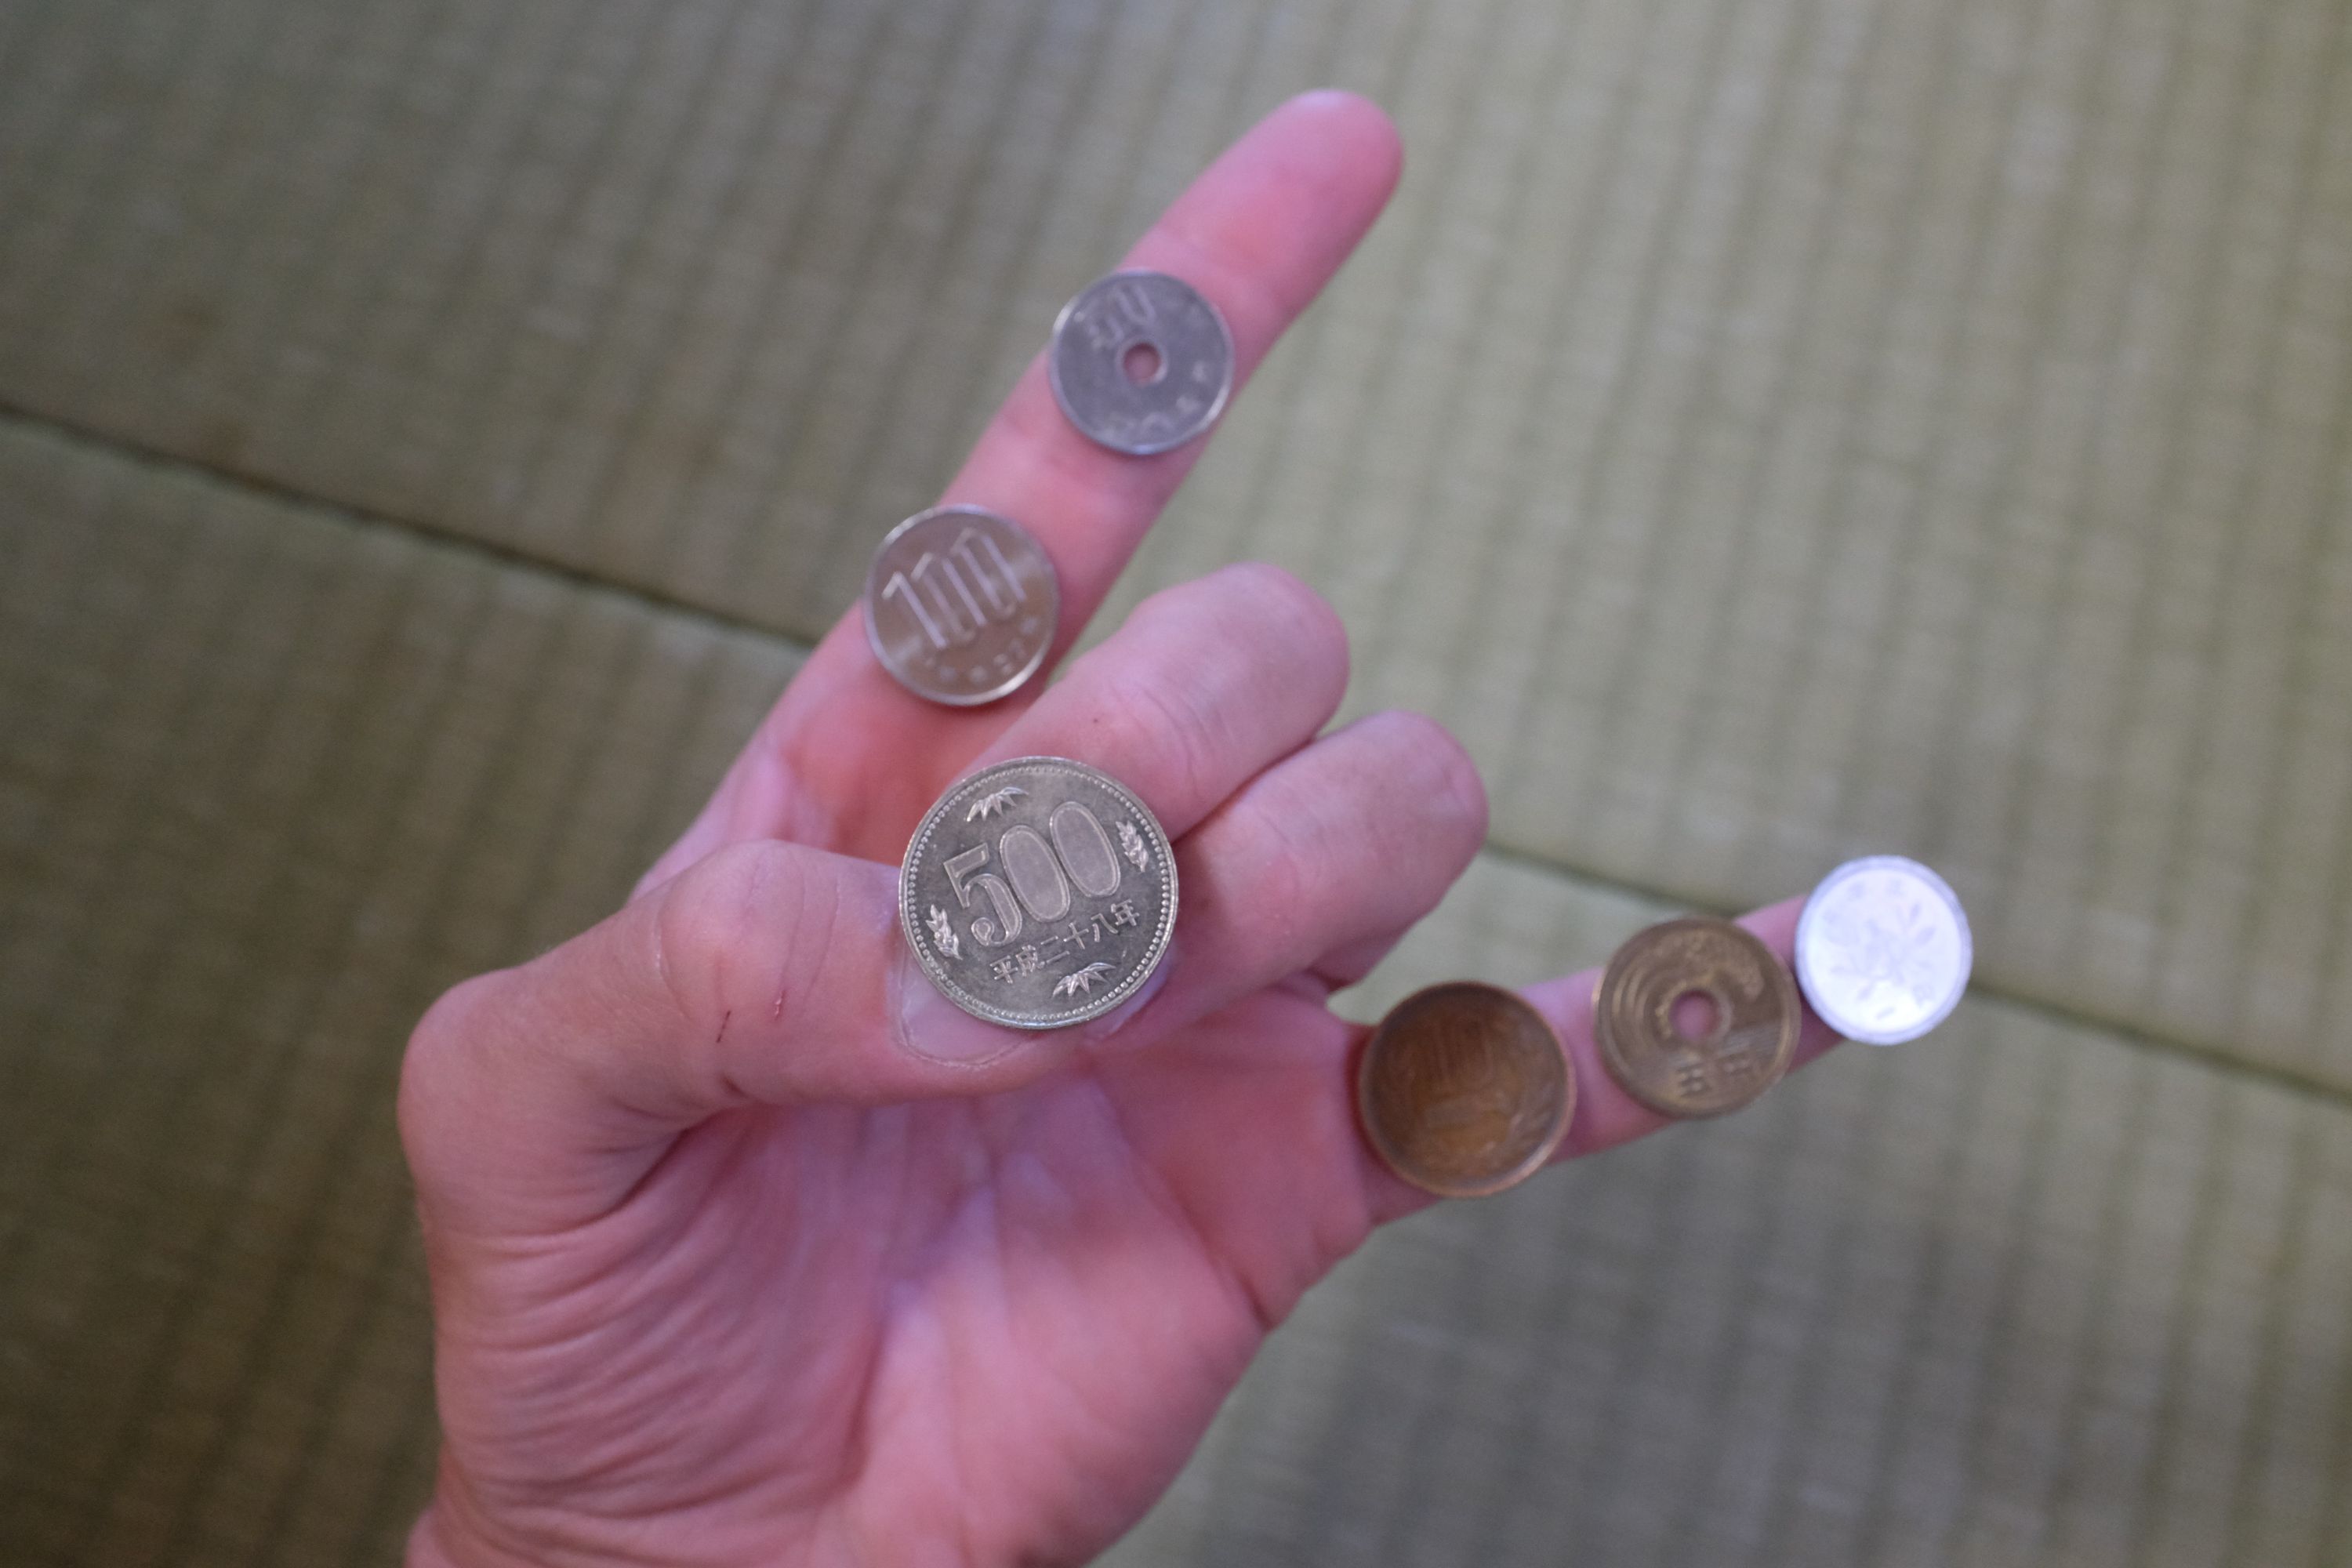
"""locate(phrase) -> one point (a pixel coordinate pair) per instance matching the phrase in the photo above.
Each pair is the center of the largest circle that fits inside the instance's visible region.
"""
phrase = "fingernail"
(1118, 1017)
(934, 1028)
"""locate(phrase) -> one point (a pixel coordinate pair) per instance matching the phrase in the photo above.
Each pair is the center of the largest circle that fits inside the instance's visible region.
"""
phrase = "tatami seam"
(1498, 851)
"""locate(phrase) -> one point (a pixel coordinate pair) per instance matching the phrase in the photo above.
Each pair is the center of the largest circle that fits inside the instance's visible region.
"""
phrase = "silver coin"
(1038, 893)
(960, 604)
(1883, 950)
(1140, 361)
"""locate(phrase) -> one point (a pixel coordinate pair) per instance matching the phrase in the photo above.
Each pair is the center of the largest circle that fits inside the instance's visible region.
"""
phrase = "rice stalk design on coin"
(1883, 950)
(1464, 1089)
(1140, 361)
(960, 604)
(1038, 893)
(1745, 1045)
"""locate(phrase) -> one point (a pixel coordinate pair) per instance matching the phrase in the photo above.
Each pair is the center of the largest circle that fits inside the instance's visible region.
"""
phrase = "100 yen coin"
(1038, 892)
(960, 604)
(1464, 1089)
(1746, 1029)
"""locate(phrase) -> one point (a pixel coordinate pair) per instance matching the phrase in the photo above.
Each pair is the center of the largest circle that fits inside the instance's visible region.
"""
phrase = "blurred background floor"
(1766, 431)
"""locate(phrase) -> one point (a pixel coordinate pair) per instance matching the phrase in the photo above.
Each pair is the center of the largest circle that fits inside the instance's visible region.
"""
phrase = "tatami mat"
(1765, 429)
(267, 782)
(2030, 1292)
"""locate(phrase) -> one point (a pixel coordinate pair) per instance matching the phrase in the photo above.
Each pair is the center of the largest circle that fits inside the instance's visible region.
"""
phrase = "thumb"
(767, 974)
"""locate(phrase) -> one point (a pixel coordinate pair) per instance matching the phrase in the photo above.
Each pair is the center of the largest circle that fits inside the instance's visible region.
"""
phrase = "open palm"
(747, 1247)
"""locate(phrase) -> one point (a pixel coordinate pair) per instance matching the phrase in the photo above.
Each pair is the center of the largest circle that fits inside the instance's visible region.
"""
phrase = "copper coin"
(1742, 1043)
(1464, 1089)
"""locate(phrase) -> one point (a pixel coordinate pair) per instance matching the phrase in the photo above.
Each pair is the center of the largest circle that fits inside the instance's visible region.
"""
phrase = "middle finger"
(1206, 684)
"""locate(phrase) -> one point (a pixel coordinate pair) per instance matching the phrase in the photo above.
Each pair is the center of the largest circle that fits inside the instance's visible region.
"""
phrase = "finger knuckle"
(711, 921)
(1285, 855)
(1168, 733)
(1271, 596)
(434, 1067)
(1437, 771)
(1259, 609)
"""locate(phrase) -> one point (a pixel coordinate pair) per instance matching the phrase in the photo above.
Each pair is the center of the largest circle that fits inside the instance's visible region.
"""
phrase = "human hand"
(746, 1246)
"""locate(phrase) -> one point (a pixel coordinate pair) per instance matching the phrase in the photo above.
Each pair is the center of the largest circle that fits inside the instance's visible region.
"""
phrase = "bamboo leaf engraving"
(990, 804)
(1083, 980)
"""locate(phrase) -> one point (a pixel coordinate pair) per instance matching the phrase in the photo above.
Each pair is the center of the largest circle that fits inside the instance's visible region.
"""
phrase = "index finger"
(1259, 233)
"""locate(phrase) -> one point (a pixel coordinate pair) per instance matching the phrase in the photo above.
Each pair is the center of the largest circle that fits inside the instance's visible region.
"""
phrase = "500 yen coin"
(1718, 970)
(1464, 1089)
(1038, 892)
(960, 604)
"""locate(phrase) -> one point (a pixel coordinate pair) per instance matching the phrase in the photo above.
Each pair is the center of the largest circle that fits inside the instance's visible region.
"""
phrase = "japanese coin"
(1464, 1089)
(1742, 1048)
(960, 604)
(1038, 892)
(1883, 950)
(1140, 361)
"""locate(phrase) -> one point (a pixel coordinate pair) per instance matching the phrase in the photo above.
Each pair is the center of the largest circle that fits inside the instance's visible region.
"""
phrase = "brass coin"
(1464, 1089)
(1743, 1051)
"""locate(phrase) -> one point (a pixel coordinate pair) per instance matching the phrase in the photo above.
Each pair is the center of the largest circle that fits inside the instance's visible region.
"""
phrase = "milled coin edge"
(1149, 449)
(908, 918)
(1526, 1168)
(1803, 964)
(1612, 1055)
(1012, 683)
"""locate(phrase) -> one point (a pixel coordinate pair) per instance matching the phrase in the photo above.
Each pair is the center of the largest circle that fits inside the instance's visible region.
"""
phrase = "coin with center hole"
(1140, 361)
(1037, 893)
(960, 604)
(1883, 950)
(1464, 1089)
(1696, 1017)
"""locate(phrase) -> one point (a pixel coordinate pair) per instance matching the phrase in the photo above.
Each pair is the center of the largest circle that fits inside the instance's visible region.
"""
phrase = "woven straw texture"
(1766, 430)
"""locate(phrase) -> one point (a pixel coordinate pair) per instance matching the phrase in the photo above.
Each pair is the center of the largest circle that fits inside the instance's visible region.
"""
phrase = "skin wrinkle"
(1117, 1156)
(806, 1246)
(885, 1357)
(1155, 1186)
(974, 1204)
(1157, 735)
(714, 1256)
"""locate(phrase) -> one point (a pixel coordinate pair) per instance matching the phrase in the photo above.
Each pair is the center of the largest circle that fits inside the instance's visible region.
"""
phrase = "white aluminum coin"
(1883, 950)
